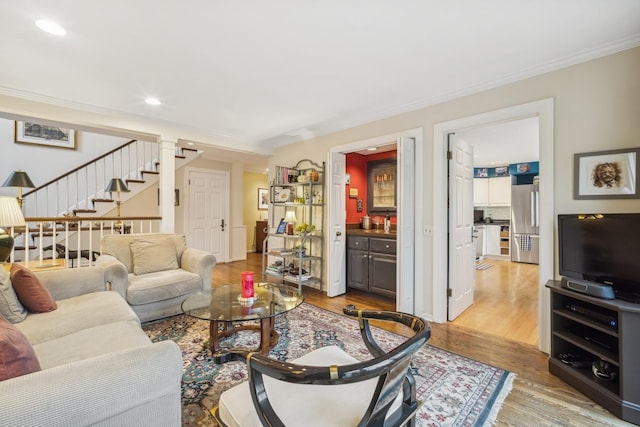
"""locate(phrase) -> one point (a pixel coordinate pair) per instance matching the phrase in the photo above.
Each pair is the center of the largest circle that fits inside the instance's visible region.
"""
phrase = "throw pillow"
(17, 356)
(153, 255)
(10, 307)
(31, 292)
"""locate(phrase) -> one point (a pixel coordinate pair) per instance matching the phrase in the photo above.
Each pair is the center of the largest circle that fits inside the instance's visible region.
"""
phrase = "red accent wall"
(356, 166)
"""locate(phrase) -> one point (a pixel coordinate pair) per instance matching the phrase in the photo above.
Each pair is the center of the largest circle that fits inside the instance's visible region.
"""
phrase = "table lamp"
(21, 180)
(10, 216)
(117, 185)
(290, 218)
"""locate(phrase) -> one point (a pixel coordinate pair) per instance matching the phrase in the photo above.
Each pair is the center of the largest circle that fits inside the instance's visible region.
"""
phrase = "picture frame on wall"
(611, 174)
(263, 199)
(39, 134)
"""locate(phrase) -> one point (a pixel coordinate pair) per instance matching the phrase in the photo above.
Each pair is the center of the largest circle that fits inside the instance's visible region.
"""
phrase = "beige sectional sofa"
(98, 367)
(162, 271)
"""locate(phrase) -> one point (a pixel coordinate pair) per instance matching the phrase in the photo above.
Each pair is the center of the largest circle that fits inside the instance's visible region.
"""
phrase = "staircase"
(81, 190)
(51, 209)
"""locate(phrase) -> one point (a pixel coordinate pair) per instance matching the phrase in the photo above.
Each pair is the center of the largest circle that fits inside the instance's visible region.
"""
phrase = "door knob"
(338, 233)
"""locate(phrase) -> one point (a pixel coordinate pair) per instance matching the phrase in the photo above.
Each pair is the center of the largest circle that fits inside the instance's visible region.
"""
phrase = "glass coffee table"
(224, 308)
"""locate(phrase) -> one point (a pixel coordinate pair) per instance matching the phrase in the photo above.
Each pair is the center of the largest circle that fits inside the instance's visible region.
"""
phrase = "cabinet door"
(382, 274)
(492, 237)
(481, 192)
(358, 269)
(500, 191)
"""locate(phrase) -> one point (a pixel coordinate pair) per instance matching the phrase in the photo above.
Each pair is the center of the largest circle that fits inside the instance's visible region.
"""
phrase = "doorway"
(505, 300)
(409, 145)
(207, 211)
(543, 109)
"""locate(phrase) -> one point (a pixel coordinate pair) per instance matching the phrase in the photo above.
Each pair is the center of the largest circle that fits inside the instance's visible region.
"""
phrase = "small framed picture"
(53, 136)
(502, 171)
(481, 172)
(609, 174)
(263, 199)
(282, 227)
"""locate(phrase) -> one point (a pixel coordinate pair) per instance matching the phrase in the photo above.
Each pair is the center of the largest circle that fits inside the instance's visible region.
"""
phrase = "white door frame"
(406, 287)
(544, 110)
(227, 214)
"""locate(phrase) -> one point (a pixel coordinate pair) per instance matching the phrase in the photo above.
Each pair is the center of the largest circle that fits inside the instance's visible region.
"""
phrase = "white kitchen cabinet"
(481, 192)
(492, 239)
(492, 191)
(500, 191)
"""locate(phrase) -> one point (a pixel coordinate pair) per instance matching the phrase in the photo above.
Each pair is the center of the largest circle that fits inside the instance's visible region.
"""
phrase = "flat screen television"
(602, 248)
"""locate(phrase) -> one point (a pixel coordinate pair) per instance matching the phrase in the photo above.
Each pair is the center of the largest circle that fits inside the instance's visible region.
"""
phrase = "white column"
(167, 184)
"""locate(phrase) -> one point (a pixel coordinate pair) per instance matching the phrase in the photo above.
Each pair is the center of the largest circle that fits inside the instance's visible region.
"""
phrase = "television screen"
(602, 248)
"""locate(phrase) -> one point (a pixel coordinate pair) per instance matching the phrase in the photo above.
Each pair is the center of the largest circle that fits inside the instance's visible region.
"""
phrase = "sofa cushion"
(151, 255)
(17, 356)
(117, 245)
(75, 314)
(161, 286)
(10, 306)
(31, 292)
(91, 342)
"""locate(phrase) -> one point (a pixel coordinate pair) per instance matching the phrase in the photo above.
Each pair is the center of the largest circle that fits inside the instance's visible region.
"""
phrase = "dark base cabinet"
(371, 265)
(597, 329)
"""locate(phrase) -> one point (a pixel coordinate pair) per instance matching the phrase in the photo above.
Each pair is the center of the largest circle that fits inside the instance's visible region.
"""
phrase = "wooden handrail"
(79, 167)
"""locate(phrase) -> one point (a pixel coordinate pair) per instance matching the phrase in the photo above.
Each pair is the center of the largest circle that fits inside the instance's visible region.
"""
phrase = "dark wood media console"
(599, 329)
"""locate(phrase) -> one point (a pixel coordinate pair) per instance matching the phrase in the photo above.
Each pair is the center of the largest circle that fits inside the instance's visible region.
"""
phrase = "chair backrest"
(391, 368)
(118, 245)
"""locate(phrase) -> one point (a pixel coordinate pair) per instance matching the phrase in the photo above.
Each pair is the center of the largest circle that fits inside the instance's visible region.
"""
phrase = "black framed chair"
(328, 387)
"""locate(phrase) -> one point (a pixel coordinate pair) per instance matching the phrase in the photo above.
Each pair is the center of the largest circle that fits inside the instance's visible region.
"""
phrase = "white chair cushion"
(304, 404)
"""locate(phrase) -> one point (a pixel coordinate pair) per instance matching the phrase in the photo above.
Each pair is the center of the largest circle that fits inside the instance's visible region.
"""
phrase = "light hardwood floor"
(505, 301)
(537, 399)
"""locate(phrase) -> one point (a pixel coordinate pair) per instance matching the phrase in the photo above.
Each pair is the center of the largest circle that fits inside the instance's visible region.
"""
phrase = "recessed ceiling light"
(51, 27)
(152, 101)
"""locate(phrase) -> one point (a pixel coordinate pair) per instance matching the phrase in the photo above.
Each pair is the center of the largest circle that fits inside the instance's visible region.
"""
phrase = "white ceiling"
(251, 75)
(500, 144)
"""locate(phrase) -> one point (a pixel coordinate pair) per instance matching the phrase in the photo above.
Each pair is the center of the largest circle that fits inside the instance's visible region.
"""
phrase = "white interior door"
(461, 252)
(406, 226)
(335, 232)
(208, 212)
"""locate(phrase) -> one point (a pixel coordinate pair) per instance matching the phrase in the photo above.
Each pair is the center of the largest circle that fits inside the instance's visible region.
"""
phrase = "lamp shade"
(10, 216)
(10, 213)
(290, 217)
(19, 179)
(117, 184)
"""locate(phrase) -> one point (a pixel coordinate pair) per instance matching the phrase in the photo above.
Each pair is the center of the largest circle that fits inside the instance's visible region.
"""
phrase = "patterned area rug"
(454, 390)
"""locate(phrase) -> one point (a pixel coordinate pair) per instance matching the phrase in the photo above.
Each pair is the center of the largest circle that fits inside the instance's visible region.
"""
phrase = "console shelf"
(599, 329)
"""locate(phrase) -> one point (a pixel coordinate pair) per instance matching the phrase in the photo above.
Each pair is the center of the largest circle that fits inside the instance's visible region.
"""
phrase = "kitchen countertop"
(494, 222)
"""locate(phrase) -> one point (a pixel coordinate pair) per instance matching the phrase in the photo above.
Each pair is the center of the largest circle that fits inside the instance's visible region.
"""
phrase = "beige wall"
(252, 181)
(596, 108)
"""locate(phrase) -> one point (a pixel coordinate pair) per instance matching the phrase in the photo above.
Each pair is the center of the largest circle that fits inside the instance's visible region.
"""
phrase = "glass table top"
(224, 303)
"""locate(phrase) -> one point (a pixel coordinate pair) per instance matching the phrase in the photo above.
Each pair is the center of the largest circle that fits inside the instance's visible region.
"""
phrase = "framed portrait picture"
(53, 136)
(263, 199)
(609, 174)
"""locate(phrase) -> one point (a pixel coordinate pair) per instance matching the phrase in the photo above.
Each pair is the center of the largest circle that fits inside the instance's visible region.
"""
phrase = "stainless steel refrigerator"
(525, 222)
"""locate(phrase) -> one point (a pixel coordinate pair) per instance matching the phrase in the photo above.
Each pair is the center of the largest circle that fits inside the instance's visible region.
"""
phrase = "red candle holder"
(247, 290)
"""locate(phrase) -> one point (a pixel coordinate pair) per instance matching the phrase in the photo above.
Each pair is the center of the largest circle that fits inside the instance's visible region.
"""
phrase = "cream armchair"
(162, 271)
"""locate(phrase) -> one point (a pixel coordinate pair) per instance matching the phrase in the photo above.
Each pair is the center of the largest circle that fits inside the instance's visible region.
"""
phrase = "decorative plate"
(283, 195)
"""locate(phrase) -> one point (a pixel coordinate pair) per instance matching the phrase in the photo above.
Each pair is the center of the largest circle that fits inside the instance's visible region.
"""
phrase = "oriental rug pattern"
(454, 390)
